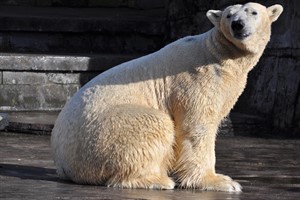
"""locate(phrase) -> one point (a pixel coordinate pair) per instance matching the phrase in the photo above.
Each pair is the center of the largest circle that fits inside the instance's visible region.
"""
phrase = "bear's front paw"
(212, 181)
(220, 182)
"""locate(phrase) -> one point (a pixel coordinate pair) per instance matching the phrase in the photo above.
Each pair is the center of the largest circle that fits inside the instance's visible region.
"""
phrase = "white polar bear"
(140, 122)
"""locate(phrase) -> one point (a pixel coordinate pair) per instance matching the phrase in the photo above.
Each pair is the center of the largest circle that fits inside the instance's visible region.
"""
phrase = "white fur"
(137, 123)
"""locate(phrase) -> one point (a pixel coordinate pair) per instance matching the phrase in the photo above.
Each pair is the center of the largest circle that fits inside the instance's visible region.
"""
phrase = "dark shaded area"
(27, 172)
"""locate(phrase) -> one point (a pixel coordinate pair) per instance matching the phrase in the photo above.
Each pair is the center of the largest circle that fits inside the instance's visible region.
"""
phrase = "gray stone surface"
(33, 78)
(46, 82)
(35, 97)
(68, 63)
(38, 122)
(268, 169)
(273, 89)
(52, 51)
(4, 121)
(39, 91)
(38, 78)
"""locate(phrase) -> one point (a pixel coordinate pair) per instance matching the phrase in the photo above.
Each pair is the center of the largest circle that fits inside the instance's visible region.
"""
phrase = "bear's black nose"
(237, 25)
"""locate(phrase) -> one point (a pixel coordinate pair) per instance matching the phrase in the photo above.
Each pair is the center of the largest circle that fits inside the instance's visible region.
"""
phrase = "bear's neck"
(228, 56)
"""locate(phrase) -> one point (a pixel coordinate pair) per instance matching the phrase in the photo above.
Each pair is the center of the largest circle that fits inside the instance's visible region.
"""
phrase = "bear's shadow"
(28, 172)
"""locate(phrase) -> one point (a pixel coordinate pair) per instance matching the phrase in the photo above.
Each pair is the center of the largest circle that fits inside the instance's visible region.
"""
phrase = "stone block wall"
(48, 53)
(50, 48)
(46, 82)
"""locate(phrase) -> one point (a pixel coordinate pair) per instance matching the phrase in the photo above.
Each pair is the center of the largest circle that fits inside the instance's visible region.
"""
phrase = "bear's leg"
(137, 147)
(195, 167)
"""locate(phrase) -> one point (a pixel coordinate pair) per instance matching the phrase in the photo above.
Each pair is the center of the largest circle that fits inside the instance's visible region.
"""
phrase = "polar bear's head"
(247, 26)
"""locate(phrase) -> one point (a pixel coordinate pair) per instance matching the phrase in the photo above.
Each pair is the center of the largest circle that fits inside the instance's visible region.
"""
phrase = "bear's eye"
(228, 16)
(254, 13)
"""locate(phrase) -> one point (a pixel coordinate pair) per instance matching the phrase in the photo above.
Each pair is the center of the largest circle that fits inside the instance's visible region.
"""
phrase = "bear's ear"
(274, 12)
(215, 17)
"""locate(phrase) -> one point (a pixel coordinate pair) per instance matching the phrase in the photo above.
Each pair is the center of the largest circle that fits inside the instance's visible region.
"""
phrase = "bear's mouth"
(241, 35)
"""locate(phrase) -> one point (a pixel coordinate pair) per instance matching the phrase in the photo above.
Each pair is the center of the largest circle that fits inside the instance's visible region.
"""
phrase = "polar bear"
(152, 121)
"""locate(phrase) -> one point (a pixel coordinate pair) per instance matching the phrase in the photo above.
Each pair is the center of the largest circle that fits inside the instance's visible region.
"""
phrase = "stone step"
(46, 82)
(80, 30)
(62, 63)
(35, 97)
(40, 122)
(4, 122)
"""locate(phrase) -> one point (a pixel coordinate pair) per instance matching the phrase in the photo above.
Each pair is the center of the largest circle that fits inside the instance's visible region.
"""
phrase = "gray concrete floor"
(266, 168)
